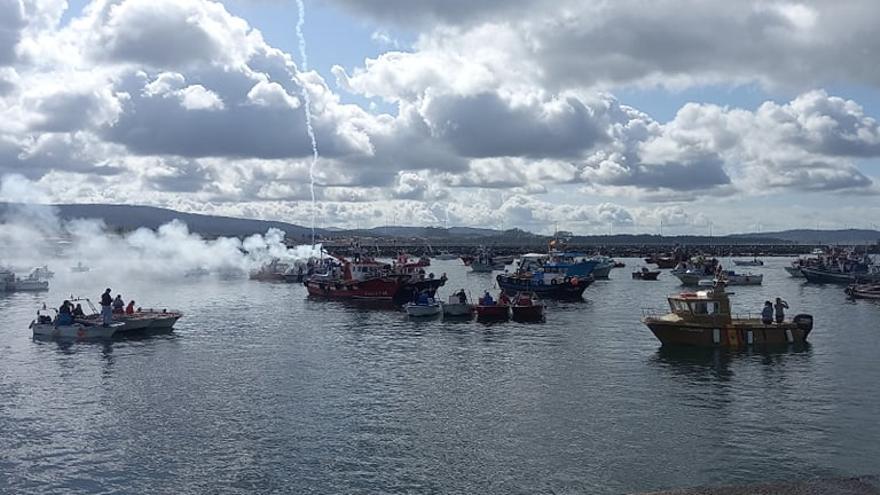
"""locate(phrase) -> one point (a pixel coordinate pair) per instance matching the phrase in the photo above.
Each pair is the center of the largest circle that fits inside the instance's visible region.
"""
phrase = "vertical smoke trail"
(307, 104)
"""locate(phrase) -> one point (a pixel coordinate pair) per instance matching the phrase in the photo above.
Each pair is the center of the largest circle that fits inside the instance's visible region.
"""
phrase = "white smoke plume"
(33, 235)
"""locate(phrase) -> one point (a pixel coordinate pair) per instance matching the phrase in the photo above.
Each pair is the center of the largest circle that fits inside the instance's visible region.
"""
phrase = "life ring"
(574, 281)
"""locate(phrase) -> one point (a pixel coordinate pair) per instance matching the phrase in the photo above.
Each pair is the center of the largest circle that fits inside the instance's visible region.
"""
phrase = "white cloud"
(197, 97)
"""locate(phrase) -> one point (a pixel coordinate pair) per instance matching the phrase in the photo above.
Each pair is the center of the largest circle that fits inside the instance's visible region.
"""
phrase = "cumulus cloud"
(182, 104)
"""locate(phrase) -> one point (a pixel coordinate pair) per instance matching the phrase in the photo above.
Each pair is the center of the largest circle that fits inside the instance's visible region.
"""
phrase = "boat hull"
(864, 292)
(731, 336)
(77, 331)
(457, 309)
(564, 291)
(794, 272)
(498, 312)
(693, 279)
(423, 310)
(382, 289)
(527, 313)
(602, 271)
(817, 276)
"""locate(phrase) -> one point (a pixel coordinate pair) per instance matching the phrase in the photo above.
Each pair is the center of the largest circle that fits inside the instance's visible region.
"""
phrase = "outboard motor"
(804, 322)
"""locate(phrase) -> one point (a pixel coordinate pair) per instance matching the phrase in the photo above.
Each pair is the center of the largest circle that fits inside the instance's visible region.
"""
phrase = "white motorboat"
(46, 326)
(420, 310)
(142, 319)
(754, 262)
(79, 268)
(731, 278)
(446, 256)
(457, 308)
(603, 267)
(795, 271)
(10, 283)
(693, 277)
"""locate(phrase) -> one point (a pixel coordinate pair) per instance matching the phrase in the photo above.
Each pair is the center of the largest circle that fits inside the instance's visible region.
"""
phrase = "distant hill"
(812, 236)
(130, 217)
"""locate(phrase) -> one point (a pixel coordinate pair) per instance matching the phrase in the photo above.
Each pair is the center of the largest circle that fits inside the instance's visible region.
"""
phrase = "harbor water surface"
(262, 390)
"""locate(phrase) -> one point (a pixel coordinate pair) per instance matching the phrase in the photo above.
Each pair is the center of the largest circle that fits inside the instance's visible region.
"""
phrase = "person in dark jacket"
(107, 307)
(78, 311)
(767, 313)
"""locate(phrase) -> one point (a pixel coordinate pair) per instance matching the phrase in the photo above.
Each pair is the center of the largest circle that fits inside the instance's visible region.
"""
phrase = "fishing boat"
(489, 310)
(753, 262)
(662, 262)
(822, 275)
(619, 264)
(733, 278)
(445, 256)
(10, 283)
(547, 285)
(365, 279)
(693, 278)
(47, 326)
(457, 306)
(704, 319)
(864, 291)
(149, 319)
(421, 309)
(273, 271)
(526, 307)
(645, 274)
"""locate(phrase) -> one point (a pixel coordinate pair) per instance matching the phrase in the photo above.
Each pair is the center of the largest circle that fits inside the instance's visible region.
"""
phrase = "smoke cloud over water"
(33, 235)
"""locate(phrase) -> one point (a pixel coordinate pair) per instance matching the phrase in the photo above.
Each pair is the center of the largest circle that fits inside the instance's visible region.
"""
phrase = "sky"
(680, 116)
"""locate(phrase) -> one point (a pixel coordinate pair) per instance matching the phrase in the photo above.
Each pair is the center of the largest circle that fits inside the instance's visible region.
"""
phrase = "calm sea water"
(261, 390)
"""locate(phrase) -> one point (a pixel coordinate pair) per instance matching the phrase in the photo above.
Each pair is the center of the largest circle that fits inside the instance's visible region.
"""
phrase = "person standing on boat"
(129, 310)
(780, 307)
(64, 316)
(118, 304)
(78, 311)
(107, 308)
(767, 313)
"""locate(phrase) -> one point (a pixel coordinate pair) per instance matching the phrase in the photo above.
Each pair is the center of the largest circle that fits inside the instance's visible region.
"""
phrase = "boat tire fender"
(567, 280)
(552, 281)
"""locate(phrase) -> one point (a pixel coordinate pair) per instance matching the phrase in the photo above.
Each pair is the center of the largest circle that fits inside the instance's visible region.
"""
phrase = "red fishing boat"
(489, 310)
(527, 307)
(364, 279)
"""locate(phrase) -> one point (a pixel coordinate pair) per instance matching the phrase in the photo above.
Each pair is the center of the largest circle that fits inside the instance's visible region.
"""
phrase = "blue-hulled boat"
(555, 275)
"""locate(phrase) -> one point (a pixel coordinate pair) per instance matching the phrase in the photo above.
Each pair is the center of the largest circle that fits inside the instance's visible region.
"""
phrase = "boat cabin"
(702, 306)
(365, 271)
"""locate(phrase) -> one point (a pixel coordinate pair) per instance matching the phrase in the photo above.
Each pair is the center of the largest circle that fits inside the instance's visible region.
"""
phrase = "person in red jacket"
(129, 310)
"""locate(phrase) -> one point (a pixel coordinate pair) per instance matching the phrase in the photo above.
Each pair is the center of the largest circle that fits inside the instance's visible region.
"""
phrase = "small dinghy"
(864, 291)
(752, 262)
(645, 274)
(79, 268)
(457, 307)
(527, 307)
(421, 310)
(489, 310)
